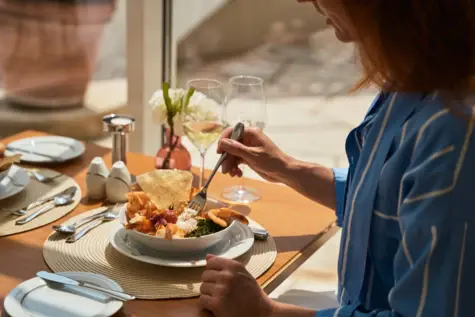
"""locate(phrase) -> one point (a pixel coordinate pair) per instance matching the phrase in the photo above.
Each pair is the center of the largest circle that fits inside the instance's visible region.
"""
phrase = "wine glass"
(246, 103)
(203, 122)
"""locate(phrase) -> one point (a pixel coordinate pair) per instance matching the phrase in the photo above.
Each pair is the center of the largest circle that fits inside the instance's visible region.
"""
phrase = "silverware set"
(111, 213)
(60, 199)
(64, 198)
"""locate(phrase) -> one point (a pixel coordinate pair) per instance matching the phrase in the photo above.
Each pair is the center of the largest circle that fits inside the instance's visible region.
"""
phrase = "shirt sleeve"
(434, 264)
(340, 175)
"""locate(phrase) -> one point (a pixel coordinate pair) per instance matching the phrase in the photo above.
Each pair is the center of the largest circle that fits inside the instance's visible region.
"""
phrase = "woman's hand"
(257, 151)
(228, 290)
(264, 157)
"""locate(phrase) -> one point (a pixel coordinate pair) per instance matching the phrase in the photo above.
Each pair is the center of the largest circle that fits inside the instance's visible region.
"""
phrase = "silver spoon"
(61, 200)
(21, 212)
(109, 216)
(74, 226)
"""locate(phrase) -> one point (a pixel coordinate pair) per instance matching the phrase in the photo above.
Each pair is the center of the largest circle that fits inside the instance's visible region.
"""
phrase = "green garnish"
(204, 227)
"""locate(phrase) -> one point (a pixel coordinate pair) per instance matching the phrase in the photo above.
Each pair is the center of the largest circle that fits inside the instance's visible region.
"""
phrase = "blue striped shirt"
(406, 205)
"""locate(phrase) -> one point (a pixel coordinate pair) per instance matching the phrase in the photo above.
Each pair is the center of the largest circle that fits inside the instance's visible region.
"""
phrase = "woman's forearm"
(287, 310)
(314, 181)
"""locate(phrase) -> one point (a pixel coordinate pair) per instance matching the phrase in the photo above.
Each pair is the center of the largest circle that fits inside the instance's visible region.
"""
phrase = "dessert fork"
(198, 202)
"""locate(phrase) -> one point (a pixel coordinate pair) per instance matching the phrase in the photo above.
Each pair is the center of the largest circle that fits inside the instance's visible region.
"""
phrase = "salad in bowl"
(157, 215)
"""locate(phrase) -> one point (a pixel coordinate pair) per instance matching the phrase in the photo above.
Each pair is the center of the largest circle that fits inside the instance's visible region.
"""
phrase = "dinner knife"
(260, 234)
(68, 281)
(20, 150)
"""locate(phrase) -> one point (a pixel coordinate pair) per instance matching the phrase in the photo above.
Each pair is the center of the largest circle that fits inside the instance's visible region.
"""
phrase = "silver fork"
(42, 178)
(198, 202)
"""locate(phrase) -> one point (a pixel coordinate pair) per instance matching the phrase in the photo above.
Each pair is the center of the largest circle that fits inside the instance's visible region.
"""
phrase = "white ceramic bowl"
(4, 173)
(177, 246)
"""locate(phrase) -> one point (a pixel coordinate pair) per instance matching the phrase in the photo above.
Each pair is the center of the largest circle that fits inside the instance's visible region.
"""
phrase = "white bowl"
(4, 173)
(183, 245)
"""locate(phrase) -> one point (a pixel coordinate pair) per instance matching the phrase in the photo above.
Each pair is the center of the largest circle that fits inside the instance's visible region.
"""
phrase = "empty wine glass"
(245, 103)
(203, 124)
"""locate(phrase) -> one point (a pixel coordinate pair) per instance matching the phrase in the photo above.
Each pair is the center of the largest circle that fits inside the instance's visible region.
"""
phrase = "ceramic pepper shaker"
(118, 183)
(96, 177)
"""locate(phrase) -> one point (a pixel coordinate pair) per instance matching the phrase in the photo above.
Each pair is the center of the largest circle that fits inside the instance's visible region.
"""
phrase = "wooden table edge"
(296, 262)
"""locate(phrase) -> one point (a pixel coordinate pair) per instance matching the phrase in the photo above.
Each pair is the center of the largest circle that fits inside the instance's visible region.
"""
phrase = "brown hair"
(416, 45)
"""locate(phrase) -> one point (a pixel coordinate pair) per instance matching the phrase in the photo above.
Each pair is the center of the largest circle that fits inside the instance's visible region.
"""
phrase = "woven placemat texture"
(34, 191)
(93, 253)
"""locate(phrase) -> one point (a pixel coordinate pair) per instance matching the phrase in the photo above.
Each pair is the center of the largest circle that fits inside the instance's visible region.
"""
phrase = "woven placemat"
(33, 192)
(93, 253)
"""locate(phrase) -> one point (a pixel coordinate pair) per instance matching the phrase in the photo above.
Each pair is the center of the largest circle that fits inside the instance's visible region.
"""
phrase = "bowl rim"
(122, 210)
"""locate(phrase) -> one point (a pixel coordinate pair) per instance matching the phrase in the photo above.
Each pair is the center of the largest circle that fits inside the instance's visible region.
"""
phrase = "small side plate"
(35, 298)
(54, 149)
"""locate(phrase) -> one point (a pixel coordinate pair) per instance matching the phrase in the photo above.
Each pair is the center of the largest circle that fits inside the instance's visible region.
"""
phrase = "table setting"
(125, 229)
(31, 198)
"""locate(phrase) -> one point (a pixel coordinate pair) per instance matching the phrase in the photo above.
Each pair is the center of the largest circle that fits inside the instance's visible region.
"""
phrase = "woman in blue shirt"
(406, 204)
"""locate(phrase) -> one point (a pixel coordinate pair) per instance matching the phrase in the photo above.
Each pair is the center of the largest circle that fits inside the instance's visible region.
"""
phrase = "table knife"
(20, 150)
(260, 234)
(68, 281)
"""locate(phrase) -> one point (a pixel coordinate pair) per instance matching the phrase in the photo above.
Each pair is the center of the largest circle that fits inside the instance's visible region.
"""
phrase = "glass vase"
(179, 158)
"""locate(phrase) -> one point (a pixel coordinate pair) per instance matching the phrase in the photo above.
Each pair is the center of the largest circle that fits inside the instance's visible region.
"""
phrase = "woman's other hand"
(228, 290)
(257, 151)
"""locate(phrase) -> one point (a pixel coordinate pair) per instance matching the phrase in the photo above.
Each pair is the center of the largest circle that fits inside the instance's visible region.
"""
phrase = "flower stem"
(166, 162)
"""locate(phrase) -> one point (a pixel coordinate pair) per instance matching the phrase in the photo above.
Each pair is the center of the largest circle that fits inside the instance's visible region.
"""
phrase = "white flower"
(159, 108)
(200, 106)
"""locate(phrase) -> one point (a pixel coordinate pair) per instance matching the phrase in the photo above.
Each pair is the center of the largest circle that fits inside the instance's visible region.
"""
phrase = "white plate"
(55, 149)
(35, 298)
(15, 181)
(238, 241)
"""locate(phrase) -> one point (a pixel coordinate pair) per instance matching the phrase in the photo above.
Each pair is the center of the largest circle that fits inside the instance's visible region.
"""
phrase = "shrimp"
(137, 202)
(134, 205)
(161, 231)
(224, 216)
(148, 210)
(170, 231)
(141, 224)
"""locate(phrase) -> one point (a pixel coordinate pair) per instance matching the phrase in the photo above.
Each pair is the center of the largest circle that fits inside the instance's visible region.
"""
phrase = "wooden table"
(298, 226)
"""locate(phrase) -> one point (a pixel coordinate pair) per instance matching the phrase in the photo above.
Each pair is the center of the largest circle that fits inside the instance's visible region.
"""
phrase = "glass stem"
(241, 180)
(202, 169)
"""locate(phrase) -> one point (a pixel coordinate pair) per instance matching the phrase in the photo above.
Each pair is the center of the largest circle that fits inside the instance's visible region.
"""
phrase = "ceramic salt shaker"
(118, 183)
(96, 177)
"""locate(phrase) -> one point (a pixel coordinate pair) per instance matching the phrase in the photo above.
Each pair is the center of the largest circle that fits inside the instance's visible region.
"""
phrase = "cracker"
(166, 188)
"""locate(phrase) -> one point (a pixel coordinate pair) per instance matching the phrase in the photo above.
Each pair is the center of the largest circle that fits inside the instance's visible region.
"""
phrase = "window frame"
(151, 60)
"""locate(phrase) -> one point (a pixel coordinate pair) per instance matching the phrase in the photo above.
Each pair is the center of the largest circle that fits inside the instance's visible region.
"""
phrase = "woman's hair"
(416, 45)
